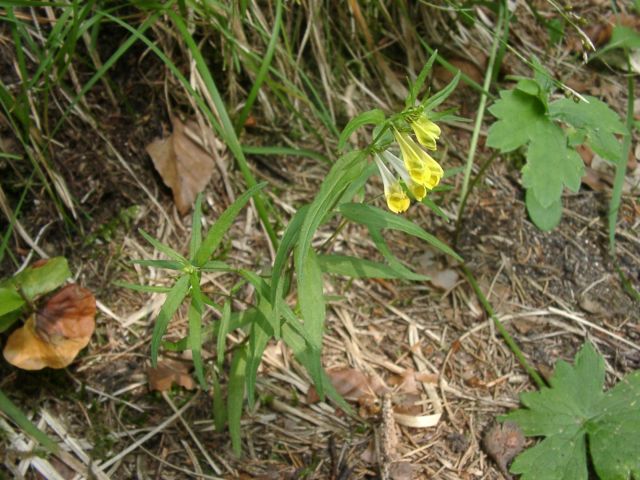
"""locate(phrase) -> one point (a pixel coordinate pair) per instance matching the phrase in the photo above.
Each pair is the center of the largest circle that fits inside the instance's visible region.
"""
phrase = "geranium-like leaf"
(517, 114)
(578, 419)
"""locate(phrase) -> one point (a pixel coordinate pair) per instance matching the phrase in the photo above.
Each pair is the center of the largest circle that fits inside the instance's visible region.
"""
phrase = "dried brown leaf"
(183, 164)
(56, 333)
(502, 443)
(169, 372)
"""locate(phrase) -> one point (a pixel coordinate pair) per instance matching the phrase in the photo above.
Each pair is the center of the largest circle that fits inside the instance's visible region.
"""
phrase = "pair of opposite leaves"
(53, 336)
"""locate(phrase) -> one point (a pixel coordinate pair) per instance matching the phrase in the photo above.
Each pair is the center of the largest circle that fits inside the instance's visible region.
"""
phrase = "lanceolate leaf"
(235, 399)
(217, 231)
(356, 267)
(372, 117)
(196, 309)
(377, 219)
(171, 304)
(312, 307)
(578, 419)
(15, 414)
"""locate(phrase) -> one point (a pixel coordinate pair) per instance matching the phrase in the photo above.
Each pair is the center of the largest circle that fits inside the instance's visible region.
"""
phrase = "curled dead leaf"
(184, 165)
(56, 333)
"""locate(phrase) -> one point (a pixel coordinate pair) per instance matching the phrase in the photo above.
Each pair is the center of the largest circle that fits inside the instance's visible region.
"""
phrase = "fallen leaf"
(184, 165)
(352, 385)
(167, 373)
(56, 333)
(502, 443)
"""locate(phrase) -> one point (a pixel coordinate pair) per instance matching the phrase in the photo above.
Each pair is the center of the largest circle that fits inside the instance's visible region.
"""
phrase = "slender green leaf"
(378, 219)
(264, 68)
(258, 338)
(223, 331)
(422, 76)
(161, 247)
(171, 304)
(356, 267)
(195, 329)
(394, 263)
(312, 307)
(219, 412)
(196, 228)
(432, 102)
(166, 264)
(224, 222)
(15, 414)
(143, 288)
(235, 398)
(217, 266)
(371, 117)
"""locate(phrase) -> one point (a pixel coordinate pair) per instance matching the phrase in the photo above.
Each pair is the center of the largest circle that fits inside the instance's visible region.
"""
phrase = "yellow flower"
(422, 169)
(417, 190)
(427, 132)
(397, 199)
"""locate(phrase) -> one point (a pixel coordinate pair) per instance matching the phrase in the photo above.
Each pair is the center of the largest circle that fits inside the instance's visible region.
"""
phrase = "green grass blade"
(358, 267)
(196, 228)
(217, 266)
(219, 412)
(20, 419)
(195, 329)
(235, 398)
(218, 229)
(394, 263)
(223, 331)
(258, 338)
(263, 70)
(161, 247)
(142, 288)
(343, 172)
(229, 134)
(174, 299)
(371, 117)
(166, 264)
(377, 219)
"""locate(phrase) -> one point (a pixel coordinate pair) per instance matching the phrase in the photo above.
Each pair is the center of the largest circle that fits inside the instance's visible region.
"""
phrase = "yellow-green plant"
(270, 317)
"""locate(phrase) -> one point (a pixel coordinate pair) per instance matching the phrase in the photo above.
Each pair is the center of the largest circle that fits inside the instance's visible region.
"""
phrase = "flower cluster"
(417, 169)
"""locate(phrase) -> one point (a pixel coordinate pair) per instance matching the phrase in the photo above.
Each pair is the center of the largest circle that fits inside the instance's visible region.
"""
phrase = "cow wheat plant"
(400, 150)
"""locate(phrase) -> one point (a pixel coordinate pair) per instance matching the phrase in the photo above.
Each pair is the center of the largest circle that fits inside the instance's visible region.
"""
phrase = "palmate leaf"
(517, 114)
(575, 412)
(550, 164)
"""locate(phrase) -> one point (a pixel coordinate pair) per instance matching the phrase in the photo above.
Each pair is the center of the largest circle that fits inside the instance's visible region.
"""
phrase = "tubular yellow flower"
(397, 199)
(422, 169)
(427, 132)
(417, 190)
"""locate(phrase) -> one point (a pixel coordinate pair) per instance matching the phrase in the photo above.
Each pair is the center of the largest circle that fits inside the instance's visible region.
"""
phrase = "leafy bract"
(517, 113)
(578, 419)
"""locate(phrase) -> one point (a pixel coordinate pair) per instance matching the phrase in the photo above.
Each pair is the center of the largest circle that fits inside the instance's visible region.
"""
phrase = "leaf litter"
(184, 163)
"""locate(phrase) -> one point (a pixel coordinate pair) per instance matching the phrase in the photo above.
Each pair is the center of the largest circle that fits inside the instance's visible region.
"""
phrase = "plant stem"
(481, 107)
(503, 331)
